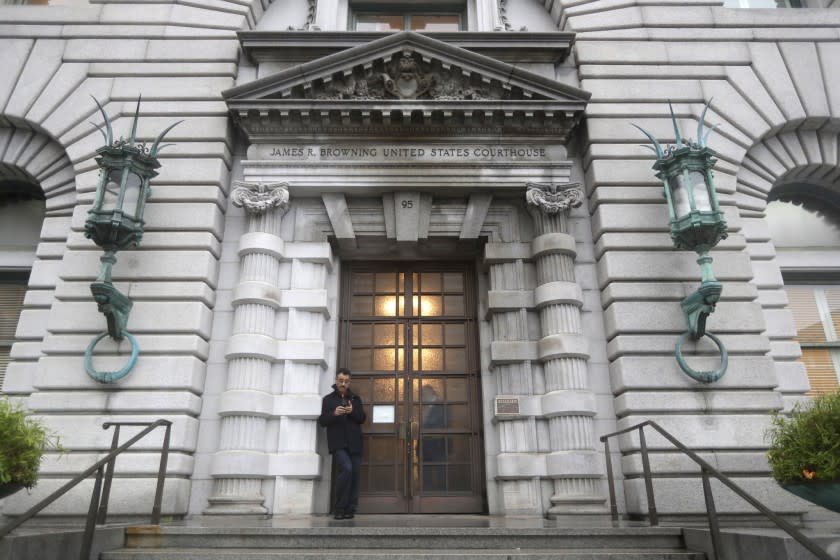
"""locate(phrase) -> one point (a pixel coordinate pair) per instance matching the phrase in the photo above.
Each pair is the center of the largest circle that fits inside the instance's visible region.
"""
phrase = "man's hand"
(349, 408)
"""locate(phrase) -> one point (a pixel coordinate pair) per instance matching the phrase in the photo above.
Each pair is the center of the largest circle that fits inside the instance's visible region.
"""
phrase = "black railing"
(104, 468)
(705, 470)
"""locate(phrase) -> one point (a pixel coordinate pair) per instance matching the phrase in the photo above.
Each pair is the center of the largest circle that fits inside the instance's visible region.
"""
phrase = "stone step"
(414, 538)
(399, 554)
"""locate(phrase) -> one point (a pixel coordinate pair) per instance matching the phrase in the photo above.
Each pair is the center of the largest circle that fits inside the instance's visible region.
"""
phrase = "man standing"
(342, 415)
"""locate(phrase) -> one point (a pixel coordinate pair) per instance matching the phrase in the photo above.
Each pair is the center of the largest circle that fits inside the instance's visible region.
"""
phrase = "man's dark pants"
(347, 481)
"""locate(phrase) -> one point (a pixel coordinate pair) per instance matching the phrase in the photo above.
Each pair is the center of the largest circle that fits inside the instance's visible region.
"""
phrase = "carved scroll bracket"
(258, 198)
(553, 198)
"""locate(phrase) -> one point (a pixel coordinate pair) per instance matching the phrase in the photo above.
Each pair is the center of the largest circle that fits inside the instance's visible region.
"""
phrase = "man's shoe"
(349, 515)
(339, 515)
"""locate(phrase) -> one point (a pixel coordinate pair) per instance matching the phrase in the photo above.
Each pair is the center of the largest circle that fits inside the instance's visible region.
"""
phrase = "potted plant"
(805, 450)
(23, 441)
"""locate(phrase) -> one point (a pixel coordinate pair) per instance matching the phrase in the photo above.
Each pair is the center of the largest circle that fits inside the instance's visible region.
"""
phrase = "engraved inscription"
(404, 152)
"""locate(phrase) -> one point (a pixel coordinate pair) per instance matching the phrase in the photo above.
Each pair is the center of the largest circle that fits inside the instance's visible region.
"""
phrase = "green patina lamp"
(115, 222)
(697, 224)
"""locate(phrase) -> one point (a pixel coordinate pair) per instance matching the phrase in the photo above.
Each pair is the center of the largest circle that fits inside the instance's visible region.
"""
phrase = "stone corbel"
(259, 198)
(553, 198)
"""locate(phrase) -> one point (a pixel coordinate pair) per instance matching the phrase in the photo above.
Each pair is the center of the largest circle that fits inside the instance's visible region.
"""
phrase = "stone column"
(303, 354)
(519, 465)
(568, 404)
(241, 462)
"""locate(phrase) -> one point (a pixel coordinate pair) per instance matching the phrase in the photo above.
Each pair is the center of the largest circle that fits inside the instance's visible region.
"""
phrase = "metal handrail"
(98, 510)
(705, 469)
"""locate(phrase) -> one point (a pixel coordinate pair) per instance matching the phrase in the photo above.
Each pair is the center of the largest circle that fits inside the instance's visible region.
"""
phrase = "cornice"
(305, 46)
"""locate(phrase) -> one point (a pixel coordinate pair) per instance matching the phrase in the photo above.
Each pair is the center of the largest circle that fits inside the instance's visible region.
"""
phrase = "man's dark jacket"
(343, 431)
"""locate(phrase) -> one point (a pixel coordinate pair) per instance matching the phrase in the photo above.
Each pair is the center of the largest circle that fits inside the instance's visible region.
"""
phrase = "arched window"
(805, 227)
(21, 215)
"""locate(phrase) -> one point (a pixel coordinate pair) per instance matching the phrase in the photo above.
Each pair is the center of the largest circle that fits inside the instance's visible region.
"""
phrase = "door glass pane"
(458, 416)
(386, 306)
(361, 387)
(430, 306)
(459, 449)
(430, 282)
(386, 283)
(362, 283)
(458, 478)
(432, 390)
(431, 359)
(362, 335)
(360, 360)
(456, 359)
(384, 390)
(384, 359)
(453, 305)
(456, 389)
(361, 305)
(434, 449)
(431, 334)
(385, 335)
(434, 416)
(454, 334)
(453, 282)
(434, 478)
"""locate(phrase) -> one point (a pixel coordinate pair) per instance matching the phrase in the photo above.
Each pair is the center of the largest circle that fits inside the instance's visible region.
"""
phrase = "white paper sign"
(383, 414)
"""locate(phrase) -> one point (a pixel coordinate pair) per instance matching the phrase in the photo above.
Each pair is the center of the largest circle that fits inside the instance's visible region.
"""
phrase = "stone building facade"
(464, 218)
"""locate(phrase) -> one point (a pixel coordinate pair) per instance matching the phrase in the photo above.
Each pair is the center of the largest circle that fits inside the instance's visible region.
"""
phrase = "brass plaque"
(507, 406)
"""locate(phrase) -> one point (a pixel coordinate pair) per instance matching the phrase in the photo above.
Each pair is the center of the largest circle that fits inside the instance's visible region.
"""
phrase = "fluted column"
(304, 362)
(568, 403)
(241, 462)
(519, 464)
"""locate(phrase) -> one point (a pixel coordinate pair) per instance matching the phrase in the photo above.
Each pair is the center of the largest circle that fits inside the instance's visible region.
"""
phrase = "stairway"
(343, 540)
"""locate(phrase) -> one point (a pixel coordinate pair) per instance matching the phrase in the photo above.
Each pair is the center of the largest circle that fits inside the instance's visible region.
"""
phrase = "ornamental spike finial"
(109, 137)
(656, 147)
(133, 137)
(677, 134)
(156, 147)
(701, 138)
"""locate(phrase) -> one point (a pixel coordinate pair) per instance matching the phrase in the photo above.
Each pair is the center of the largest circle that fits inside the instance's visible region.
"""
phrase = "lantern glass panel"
(679, 196)
(112, 191)
(131, 202)
(702, 201)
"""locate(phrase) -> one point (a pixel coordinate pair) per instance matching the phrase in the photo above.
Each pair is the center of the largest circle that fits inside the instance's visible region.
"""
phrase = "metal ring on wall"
(703, 376)
(111, 376)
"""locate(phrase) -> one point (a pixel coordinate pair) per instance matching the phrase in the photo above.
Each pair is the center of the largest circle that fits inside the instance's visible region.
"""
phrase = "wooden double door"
(408, 333)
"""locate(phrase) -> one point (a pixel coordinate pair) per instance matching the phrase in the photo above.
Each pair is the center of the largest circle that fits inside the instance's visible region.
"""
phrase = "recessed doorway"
(408, 333)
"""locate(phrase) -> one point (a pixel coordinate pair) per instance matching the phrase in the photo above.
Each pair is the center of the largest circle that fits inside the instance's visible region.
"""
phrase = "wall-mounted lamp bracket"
(115, 305)
(699, 305)
(696, 223)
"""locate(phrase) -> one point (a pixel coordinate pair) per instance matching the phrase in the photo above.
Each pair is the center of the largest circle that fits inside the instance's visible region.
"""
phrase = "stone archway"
(785, 161)
(34, 157)
(33, 166)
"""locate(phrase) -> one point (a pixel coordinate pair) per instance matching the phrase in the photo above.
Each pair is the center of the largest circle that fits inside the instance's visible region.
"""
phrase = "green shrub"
(23, 441)
(807, 445)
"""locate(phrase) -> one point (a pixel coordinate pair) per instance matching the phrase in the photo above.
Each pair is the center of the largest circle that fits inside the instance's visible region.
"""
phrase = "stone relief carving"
(408, 78)
(553, 198)
(409, 83)
(309, 24)
(506, 26)
(258, 198)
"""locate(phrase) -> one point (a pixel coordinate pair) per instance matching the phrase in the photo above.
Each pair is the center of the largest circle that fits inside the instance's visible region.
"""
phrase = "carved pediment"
(405, 78)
